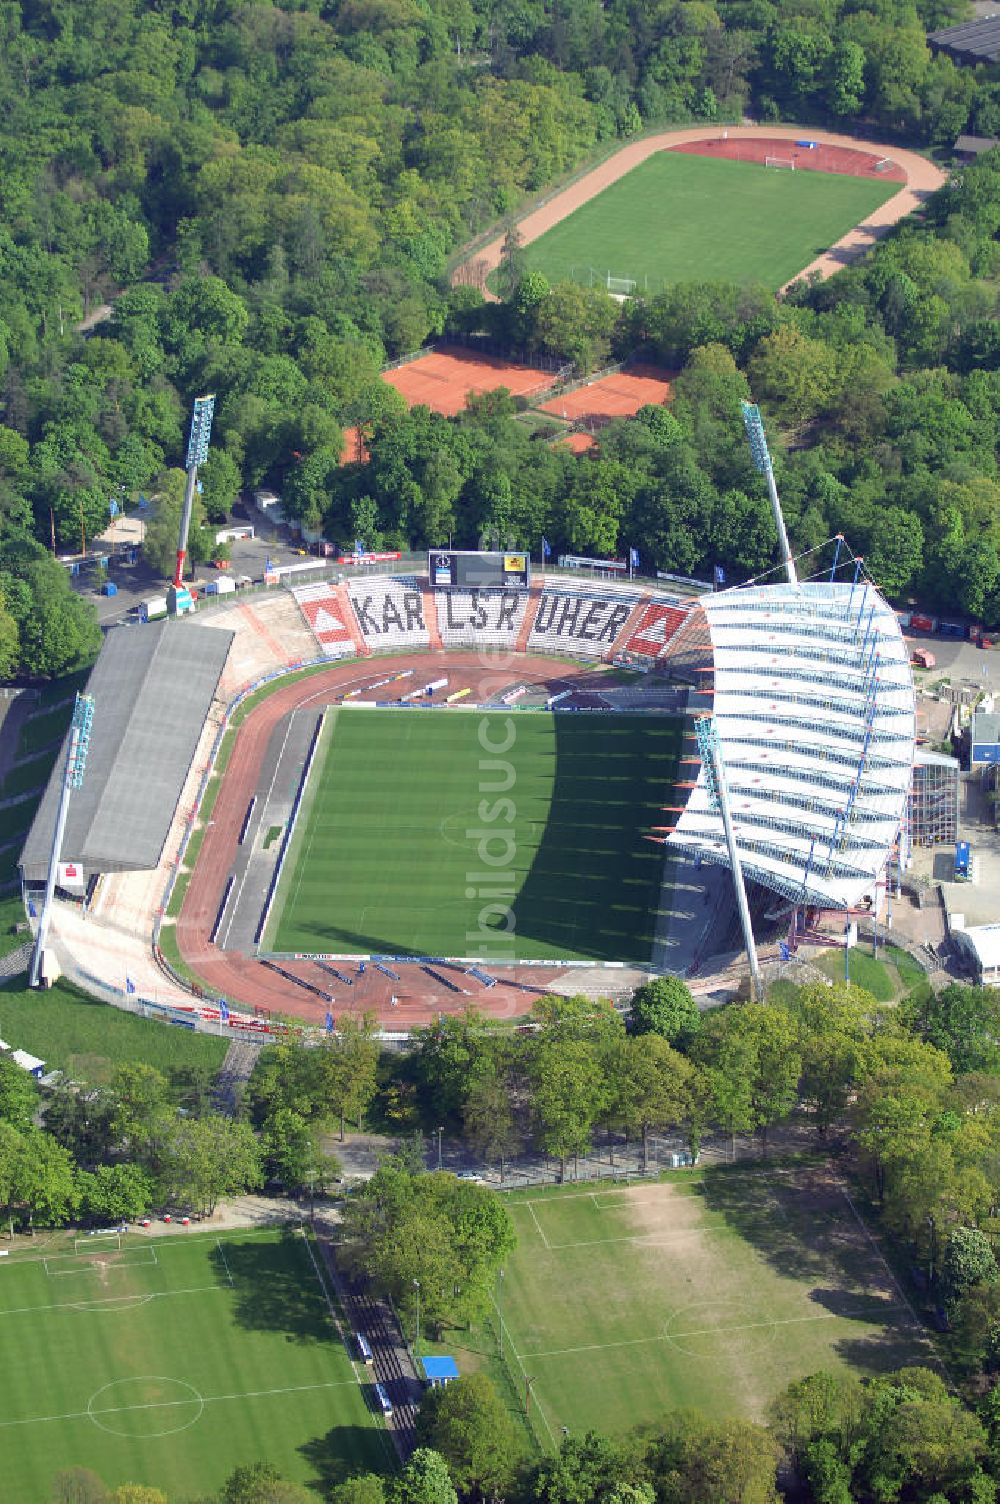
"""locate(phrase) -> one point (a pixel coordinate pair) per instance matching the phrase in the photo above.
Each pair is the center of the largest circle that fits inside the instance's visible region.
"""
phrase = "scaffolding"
(934, 799)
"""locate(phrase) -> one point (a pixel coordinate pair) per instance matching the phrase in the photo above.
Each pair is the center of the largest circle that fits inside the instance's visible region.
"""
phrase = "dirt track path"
(922, 179)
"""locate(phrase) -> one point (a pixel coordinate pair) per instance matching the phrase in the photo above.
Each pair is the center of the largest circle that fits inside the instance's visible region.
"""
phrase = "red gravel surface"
(444, 379)
(618, 396)
(241, 978)
(848, 160)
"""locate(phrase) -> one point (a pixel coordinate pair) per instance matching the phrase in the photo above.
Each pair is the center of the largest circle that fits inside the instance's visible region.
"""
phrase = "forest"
(263, 200)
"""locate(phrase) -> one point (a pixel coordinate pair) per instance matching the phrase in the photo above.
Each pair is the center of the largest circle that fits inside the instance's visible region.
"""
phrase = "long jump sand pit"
(443, 380)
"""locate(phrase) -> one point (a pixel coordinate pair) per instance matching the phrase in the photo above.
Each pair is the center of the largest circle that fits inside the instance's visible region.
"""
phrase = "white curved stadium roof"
(814, 718)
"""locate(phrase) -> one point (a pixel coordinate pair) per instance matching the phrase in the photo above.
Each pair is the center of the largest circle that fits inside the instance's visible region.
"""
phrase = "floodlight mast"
(754, 425)
(718, 798)
(197, 454)
(76, 763)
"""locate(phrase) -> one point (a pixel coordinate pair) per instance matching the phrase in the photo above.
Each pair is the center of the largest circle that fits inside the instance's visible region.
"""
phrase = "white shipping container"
(221, 586)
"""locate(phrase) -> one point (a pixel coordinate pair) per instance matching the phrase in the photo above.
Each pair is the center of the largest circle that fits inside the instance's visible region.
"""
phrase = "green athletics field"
(421, 832)
(172, 1360)
(714, 1292)
(680, 218)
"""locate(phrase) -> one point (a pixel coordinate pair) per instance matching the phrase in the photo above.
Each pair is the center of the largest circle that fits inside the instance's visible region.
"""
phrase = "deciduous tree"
(468, 1423)
(665, 1006)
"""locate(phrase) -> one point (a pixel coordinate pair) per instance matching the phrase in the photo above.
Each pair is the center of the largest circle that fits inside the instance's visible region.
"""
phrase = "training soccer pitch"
(713, 1292)
(687, 218)
(172, 1361)
(420, 829)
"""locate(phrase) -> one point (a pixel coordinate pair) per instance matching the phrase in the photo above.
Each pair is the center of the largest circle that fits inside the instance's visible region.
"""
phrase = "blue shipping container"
(961, 859)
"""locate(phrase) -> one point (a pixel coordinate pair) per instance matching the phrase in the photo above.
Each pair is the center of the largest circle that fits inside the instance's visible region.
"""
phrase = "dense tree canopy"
(267, 198)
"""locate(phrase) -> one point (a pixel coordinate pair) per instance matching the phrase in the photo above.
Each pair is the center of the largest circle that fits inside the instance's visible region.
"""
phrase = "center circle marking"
(148, 1405)
(700, 1330)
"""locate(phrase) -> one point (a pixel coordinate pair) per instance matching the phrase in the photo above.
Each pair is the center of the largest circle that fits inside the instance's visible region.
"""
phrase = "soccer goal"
(622, 287)
(786, 162)
(100, 1242)
(97, 1261)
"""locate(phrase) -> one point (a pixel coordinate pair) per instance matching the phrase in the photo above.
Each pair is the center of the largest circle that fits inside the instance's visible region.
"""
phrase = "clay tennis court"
(578, 442)
(355, 449)
(616, 396)
(443, 380)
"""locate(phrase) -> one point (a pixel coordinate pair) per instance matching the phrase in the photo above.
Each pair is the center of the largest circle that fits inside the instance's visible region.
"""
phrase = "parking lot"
(138, 582)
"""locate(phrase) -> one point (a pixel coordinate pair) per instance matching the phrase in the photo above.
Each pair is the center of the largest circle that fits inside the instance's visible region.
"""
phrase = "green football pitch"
(460, 833)
(685, 218)
(714, 1292)
(171, 1361)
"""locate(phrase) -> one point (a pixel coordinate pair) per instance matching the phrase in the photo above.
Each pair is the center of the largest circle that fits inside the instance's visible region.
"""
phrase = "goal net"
(95, 1261)
(101, 1242)
(785, 162)
(623, 286)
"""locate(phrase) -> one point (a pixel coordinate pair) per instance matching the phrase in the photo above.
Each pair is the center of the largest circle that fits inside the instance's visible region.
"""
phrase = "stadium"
(398, 790)
(282, 811)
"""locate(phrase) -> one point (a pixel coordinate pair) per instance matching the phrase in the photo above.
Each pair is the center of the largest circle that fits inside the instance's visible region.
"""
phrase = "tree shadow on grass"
(274, 1288)
(857, 1305)
(343, 1451)
(769, 1216)
(804, 1227)
(897, 1346)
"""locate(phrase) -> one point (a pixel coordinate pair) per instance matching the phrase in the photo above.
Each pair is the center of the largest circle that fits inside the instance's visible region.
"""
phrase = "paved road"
(137, 582)
(234, 1073)
(956, 660)
(392, 1366)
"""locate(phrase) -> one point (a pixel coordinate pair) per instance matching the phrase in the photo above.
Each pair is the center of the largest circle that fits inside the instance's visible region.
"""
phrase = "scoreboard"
(453, 569)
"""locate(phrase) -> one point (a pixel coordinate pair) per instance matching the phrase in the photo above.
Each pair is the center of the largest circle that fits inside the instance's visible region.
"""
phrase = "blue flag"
(359, 547)
(719, 574)
(129, 985)
(268, 565)
(223, 1010)
(32, 911)
(113, 508)
(329, 1022)
(633, 558)
(783, 951)
(546, 550)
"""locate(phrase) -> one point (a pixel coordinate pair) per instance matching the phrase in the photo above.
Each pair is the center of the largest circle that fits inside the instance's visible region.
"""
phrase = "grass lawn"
(886, 976)
(715, 1291)
(678, 217)
(86, 1038)
(40, 731)
(411, 829)
(174, 1360)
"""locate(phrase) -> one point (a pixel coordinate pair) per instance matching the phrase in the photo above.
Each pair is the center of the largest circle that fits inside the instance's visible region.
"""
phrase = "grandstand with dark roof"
(154, 686)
